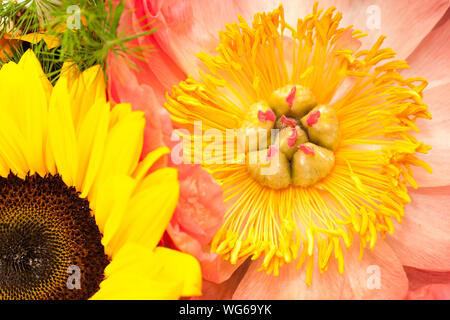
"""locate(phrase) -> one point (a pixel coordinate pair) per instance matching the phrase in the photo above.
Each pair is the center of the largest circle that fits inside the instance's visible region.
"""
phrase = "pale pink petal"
(380, 264)
(430, 60)
(428, 285)
(290, 284)
(435, 133)
(422, 240)
(404, 22)
(404, 31)
(357, 282)
(419, 278)
(430, 292)
(188, 27)
(201, 202)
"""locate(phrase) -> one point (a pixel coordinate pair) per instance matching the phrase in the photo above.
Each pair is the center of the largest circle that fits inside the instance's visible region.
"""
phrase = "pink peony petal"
(430, 292)
(361, 276)
(123, 87)
(430, 60)
(404, 22)
(419, 278)
(156, 67)
(422, 240)
(402, 35)
(188, 27)
(200, 210)
(435, 133)
(290, 284)
(428, 285)
(355, 283)
(201, 202)
(197, 218)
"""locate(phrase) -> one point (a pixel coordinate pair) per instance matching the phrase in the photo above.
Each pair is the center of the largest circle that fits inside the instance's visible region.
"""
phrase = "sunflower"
(340, 122)
(80, 217)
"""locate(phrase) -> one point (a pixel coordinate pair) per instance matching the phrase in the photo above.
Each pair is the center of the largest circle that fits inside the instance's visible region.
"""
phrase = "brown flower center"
(50, 245)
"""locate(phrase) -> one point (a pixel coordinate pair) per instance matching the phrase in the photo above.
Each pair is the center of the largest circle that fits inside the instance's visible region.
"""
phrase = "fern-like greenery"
(87, 31)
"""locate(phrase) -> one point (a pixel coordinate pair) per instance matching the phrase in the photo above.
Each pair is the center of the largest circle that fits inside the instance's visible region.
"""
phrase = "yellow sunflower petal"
(92, 136)
(149, 211)
(31, 64)
(10, 148)
(111, 205)
(123, 148)
(36, 115)
(119, 112)
(85, 87)
(62, 135)
(69, 132)
(181, 267)
(24, 111)
(149, 161)
(135, 273)
(4, 169)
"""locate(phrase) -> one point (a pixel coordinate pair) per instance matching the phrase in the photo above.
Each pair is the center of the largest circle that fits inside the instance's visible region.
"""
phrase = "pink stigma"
(306, 150)
(313, 118)
(291, 96)
(264, 116)
(292, 138)
(287, 121)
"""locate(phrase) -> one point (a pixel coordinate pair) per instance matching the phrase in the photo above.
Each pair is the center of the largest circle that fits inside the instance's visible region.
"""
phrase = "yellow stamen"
(373, 161)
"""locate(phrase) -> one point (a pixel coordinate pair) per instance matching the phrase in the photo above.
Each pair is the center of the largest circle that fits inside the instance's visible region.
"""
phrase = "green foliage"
(24, 16)
(97, 36)
(84, 44)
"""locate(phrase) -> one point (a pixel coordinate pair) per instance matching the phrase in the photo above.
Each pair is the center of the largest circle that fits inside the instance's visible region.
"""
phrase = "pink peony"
(418, 31)
(200, 211)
